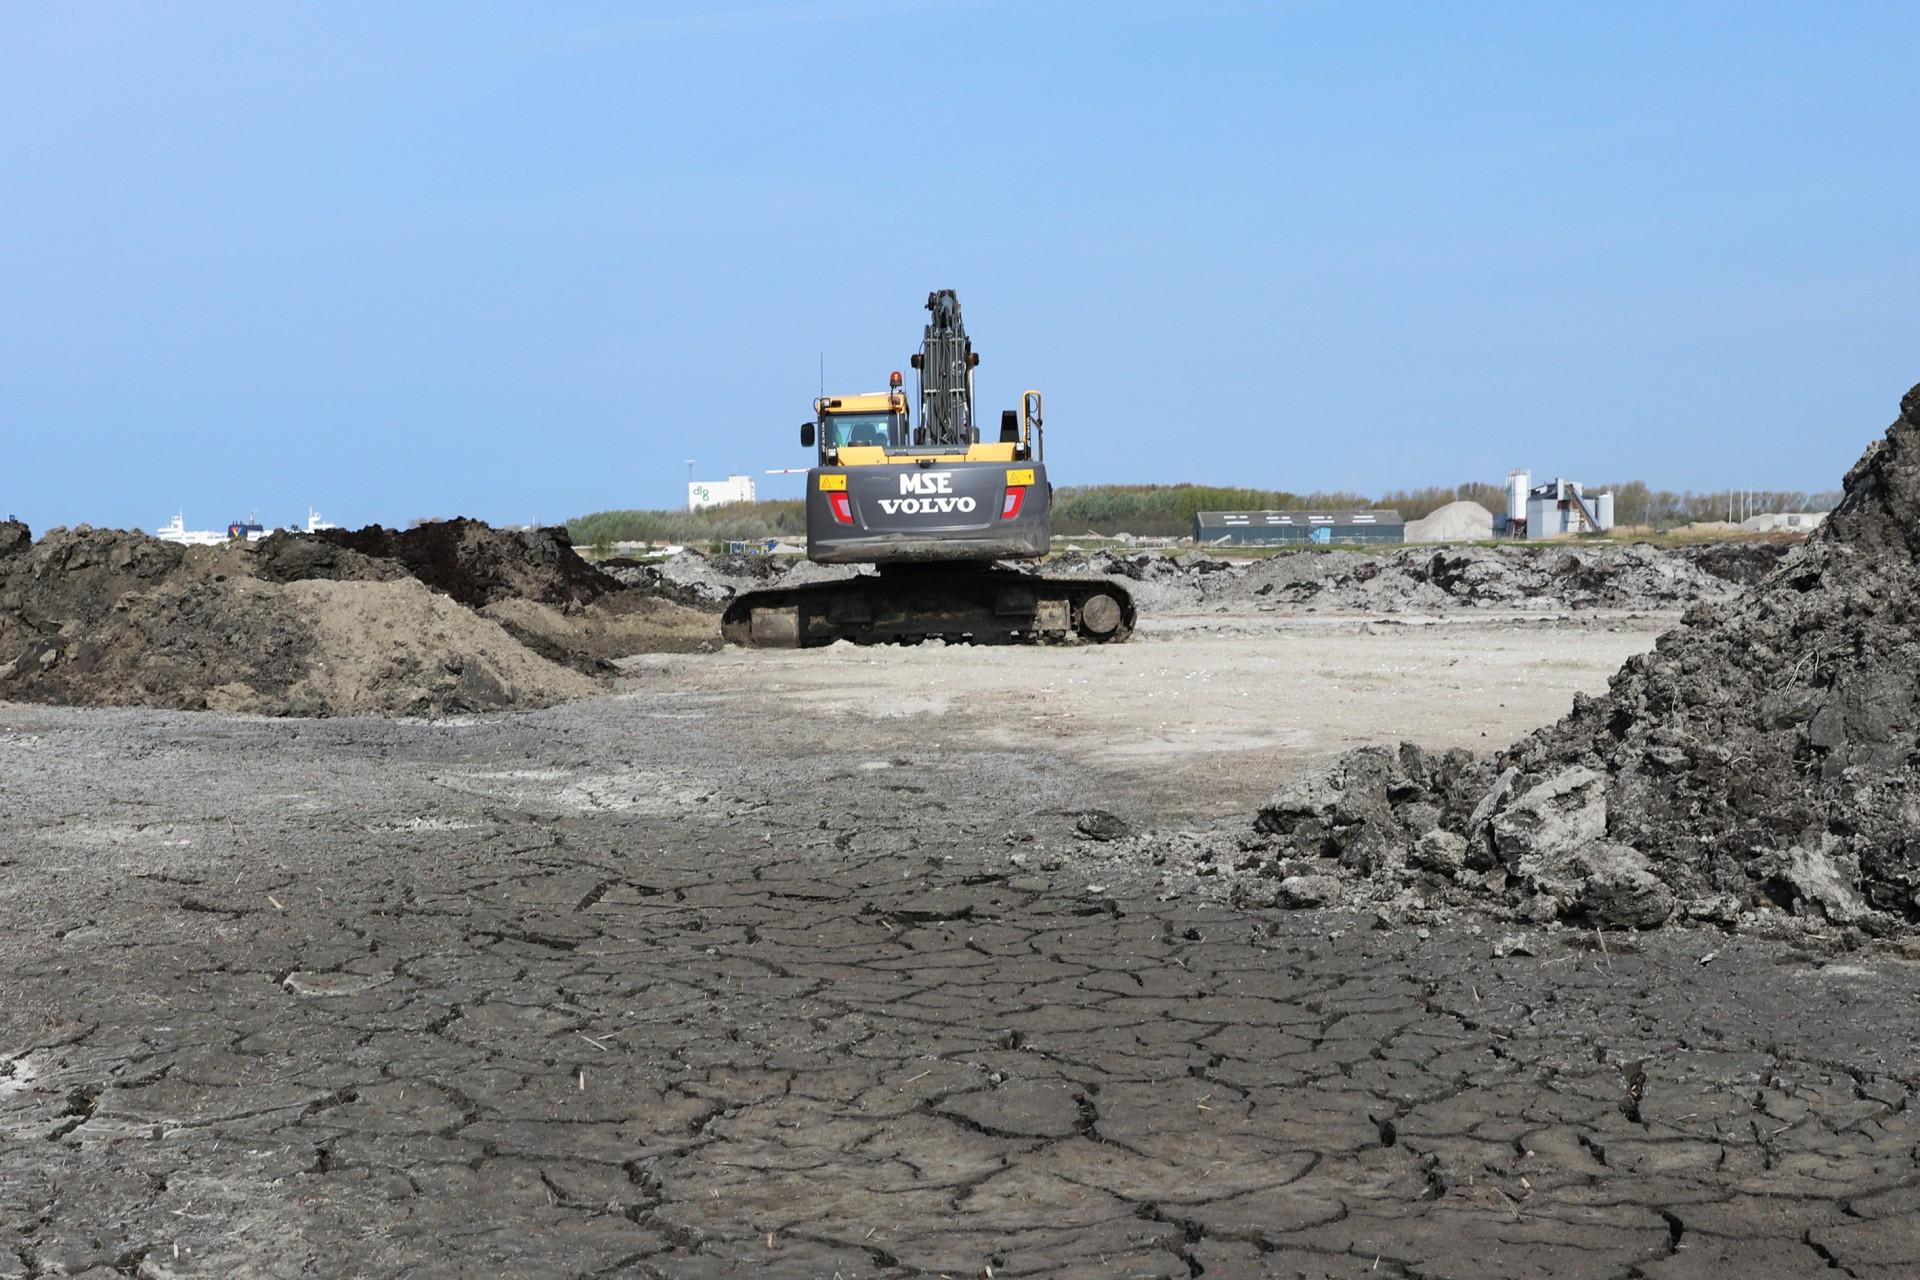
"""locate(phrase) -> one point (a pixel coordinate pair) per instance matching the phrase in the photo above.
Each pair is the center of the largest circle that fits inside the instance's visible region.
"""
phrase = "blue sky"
(519, 261)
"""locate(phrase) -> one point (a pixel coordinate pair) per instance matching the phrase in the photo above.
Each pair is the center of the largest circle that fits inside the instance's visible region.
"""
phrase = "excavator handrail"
(1030, 430)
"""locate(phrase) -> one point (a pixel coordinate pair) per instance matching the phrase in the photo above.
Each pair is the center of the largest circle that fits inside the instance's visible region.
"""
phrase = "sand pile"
(614, 626)
(530, 581)
(397, 648)
(1456, 522)
(306, 626)
(1763, 759)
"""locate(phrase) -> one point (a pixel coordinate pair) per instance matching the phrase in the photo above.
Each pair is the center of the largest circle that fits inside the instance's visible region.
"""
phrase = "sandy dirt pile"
(397, 648)
(1763, 759)
(614, 626)
(300, 625)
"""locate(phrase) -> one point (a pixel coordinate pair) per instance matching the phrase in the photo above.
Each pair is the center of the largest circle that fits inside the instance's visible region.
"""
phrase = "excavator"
(934, 509)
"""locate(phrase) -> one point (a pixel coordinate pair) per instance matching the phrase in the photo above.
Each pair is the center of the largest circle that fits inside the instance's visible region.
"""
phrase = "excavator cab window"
(858, 429)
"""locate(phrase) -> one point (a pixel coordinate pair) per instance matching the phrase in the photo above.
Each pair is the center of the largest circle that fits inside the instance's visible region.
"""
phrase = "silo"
(1517, 484)
(1603, 508)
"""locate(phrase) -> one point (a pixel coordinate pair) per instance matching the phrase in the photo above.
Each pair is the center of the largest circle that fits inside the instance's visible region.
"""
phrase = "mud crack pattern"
(584, 993)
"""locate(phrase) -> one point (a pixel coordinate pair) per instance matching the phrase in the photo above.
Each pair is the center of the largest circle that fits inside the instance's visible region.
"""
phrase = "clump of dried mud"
(704, 582)
(1744, 561)
(1764, 758)
(301, 625)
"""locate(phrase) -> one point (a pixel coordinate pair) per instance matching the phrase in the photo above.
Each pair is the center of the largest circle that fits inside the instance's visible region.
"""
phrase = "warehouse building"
(1272, 528)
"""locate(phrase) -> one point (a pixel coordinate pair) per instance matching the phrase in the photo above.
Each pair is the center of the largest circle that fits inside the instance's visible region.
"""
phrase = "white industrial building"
(1555, 509)
(718, 493)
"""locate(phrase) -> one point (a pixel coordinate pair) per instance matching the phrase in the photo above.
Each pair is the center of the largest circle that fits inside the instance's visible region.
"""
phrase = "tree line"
(1167, 510)
(735, 522)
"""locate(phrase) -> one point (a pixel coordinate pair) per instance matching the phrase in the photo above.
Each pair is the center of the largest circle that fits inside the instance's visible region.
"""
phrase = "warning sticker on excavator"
(1022, 476)
(833, 484)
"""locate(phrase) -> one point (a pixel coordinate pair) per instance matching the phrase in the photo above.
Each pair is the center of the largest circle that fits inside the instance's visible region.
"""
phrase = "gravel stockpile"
(1763, 759)
(1456, 522)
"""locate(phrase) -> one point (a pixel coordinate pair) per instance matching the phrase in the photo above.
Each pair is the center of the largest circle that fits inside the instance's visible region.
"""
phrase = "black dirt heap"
(111, 616)
(477, 564)
(1764, 757)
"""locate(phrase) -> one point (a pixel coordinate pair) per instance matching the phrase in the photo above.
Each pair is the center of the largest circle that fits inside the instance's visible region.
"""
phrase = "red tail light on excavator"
(842, 507)
(1010, 505)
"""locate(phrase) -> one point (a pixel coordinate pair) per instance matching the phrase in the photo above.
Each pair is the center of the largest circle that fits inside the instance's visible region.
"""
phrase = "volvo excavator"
(933, 508)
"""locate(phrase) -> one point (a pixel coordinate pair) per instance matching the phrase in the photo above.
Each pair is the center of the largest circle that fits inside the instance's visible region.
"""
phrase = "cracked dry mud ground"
(652, 986)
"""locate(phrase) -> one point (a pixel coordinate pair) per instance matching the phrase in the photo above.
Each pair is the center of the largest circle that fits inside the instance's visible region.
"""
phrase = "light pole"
(689, 484)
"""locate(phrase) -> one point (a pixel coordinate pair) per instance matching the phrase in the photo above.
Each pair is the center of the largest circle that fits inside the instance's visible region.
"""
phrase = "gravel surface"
(1541, 577)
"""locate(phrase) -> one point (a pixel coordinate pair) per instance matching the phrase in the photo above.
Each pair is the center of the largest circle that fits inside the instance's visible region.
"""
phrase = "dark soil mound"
(213, 643)
(299, 557)
(111, 616)
(1745, 562)
(1764, 757)
(697, 581)
(73, 578)
(15, 538)
(479, 565)
(105, 617)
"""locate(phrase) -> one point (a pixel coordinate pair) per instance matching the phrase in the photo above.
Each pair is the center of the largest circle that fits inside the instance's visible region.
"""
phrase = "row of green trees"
(739, 521)
(1167, 510)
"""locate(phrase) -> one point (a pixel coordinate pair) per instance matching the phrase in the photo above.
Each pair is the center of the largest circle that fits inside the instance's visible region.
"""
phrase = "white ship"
(248, 530)
(175, 530)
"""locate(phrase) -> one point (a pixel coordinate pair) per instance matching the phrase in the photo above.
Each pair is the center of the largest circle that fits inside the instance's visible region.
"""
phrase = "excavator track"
(903, 605)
